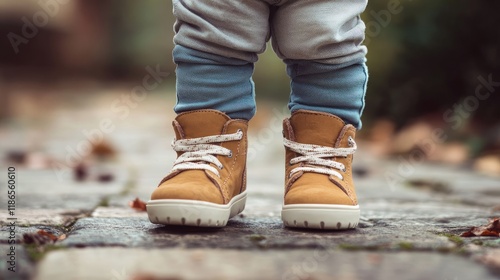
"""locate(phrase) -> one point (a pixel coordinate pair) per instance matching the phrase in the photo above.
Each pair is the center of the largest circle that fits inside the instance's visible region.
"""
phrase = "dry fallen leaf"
(103, 149)
(80, 172)
(491, 229)
(105, 177)
(48, 234)
(41, 237)
(17, 157)
(138, 204)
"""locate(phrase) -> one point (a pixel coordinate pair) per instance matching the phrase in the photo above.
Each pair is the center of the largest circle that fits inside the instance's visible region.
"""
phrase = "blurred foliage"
(424, 58)
(142, 34)
(429, 57)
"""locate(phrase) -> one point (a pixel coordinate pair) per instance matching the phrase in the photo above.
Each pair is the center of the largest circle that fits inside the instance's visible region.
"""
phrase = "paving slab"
(491, 258)
(55, 217)
(19, 231)
(123, 263)
(20, 266)
(256, 232)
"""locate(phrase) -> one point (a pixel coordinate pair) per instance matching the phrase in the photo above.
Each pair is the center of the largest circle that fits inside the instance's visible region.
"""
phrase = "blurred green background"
(426, 60)
(424, 56)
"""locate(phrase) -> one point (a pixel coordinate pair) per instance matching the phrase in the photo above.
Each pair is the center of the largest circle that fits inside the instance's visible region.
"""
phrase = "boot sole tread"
(185, 212)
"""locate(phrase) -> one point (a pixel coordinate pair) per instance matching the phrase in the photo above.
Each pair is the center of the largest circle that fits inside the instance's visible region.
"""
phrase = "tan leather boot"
(206, 186)
(319, 191)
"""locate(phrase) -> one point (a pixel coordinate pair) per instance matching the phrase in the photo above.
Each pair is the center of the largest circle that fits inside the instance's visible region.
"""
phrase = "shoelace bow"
(315, 157)
(200, 152)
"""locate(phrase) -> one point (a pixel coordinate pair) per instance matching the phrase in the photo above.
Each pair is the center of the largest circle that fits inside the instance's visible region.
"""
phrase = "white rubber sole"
(185, 212)
(321, 216)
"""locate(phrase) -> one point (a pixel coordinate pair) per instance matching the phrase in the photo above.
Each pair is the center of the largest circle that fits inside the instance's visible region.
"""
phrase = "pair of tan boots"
(206, 186)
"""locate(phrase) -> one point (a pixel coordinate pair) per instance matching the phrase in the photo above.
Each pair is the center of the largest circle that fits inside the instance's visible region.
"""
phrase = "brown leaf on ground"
(137, 204)
(80, 172)
(491, 229)
(41, 237)
(105, 177)
(48, 234)
(17, 157)
(103, 149)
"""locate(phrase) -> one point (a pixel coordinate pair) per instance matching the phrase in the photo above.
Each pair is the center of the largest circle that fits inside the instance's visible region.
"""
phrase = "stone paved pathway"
(405, 232)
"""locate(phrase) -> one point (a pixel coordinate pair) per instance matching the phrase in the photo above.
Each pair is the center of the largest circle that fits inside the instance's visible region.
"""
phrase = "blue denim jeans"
(217, 43)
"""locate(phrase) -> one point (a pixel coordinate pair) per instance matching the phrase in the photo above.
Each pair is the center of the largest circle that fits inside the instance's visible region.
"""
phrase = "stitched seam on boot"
(169, 176)
(203, 111)
(230, 170)
(224, 186)
(289, 128)
(244, 181)
(347, 191)
(306, 112)
(178, 126)
(292, 180)
(343, 133)
(225, 199)
(341, 136)
(351, 193)
(291, 137)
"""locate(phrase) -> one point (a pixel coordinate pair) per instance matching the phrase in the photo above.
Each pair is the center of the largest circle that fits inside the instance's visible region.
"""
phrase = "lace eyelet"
(350, 141)
(230, 155)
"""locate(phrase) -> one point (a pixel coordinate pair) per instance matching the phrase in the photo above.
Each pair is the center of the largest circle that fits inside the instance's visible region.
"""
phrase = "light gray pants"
(325, 31)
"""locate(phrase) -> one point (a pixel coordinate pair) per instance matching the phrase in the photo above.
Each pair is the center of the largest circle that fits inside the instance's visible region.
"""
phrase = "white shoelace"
(316, 155)
(199, 152)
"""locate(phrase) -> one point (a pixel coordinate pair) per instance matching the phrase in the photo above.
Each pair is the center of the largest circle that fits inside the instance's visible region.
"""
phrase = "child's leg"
(320, 42)
(338, 89)
(217, 43)
(209, 81)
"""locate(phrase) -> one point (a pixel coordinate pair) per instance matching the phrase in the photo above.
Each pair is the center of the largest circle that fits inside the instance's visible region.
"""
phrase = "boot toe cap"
(199, 190)
(317, 194)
